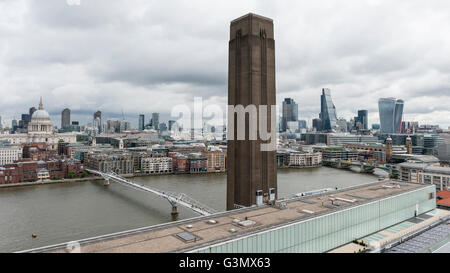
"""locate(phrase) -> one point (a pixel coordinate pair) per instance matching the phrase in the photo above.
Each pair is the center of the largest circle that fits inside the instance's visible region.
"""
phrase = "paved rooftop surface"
(225, 226)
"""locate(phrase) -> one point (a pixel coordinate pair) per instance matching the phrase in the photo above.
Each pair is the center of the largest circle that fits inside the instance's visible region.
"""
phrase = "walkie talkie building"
(391, 112)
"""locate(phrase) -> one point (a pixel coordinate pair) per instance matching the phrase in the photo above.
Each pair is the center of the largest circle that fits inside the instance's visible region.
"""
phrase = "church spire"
(41, 106)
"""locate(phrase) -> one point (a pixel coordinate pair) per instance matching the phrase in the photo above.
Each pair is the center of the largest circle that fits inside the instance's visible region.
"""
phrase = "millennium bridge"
(173, 198)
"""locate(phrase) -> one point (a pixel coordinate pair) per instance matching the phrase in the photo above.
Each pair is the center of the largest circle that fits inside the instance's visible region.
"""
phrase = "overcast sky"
(147, 56)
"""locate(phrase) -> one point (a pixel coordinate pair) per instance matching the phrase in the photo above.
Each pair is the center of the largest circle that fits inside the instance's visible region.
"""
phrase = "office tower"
(292, 127)
(65, 118)
(23, 123)
(127, 125)
(117, 126)
(302, 124)
(350, 125)
(98, 121)
(290, 113)
(141, 122)
(398, 115)
(31, 111)
(391, 111)
(1, 123)
(280, 124)
(171, 123)
(98, 114)
(123, 125)
(342, 125)
(252, 173)
(162, 127)
(110, 126)
(97, 125)
(155, 121)
(363, 119)
(14, 124)
(26, 117)
(317, 124)
(327, 111)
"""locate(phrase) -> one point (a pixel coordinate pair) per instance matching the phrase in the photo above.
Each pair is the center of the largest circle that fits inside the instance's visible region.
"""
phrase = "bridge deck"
(163, 238)
(172, 197)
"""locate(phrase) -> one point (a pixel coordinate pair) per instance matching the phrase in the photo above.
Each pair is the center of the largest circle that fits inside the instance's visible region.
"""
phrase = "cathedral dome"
(40, 121)
(40, 114)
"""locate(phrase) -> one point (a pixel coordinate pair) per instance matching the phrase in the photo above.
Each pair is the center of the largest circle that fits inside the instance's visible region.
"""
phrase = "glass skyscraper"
(155, 121)
(363, 119)
(171, 123)
(290, 113)
(65, 118)
(398, 115)
(141, 122)
(327, 111)
(302, 124)
(391, 112)
(98, 121)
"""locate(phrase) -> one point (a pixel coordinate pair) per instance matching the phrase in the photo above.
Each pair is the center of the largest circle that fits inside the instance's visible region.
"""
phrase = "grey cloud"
(145, 56)
(54, 14)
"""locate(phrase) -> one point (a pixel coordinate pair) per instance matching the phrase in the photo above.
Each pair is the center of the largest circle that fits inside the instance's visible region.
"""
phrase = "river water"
(65, 212)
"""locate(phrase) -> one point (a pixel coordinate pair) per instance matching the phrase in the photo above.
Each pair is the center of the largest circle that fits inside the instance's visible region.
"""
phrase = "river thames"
(65, 212)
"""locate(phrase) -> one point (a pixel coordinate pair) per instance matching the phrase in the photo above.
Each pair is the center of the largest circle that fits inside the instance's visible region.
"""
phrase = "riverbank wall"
(91, 178)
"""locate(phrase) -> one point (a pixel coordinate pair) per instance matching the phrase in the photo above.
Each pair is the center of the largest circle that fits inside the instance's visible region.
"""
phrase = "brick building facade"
(29, 171)
(38, 151)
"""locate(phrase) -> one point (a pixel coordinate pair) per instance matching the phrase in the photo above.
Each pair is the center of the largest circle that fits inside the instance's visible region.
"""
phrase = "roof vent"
(308, 211)
(211, 222)
(282, 205)
(247, 223)
(232, 230)
(346, 200)
(187, 237)
(189, 226)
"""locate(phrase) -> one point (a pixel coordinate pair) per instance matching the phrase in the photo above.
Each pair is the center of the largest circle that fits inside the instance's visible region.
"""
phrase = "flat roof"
(251, 14)
(426, 167)
(166, 237)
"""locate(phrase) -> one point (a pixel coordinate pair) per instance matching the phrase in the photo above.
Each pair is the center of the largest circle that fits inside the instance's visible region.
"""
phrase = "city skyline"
(79, 75)
(134, 119)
